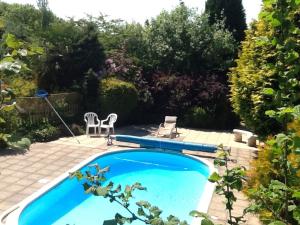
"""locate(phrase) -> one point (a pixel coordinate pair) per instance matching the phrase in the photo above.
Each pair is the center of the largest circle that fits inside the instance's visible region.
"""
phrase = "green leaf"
(281, 139)
(86, 186)
(155, 211)
(214, 177)
(297, 2)
(156, 221)
(296, 111)
(196, 213)
(104, 170)
(102, 191)
(268, 91)
(291, 207)
(12, 42)
(275, 22)
(2, 120)
(144, 204)
(270, 113)
(206, 222)
(141, 212)
(296, 214)
(127, 189)
(292, 56)
(296, 194)
(219, 162)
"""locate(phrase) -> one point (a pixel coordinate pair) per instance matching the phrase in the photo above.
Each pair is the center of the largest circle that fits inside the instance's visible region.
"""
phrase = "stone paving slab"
(23, 173)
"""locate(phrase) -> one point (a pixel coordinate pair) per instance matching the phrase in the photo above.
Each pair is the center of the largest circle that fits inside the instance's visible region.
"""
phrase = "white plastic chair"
(92, 121)
(108, 123)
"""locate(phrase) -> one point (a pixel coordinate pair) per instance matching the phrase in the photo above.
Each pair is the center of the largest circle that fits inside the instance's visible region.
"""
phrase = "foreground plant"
(12, 62)
(278, 200)
(228, 182)
(94, 182)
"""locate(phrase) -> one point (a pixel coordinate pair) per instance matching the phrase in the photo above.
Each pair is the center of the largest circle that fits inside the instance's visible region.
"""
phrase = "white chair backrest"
(112, 119)
(170, 119)
(90, 118)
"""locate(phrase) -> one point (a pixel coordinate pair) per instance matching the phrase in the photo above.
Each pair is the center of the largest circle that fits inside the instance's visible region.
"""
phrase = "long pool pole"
(61, 119)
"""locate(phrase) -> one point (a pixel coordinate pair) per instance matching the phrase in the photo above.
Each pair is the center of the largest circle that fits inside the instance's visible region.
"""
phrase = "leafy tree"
(183, 41)
(233, 13)
(23, 21)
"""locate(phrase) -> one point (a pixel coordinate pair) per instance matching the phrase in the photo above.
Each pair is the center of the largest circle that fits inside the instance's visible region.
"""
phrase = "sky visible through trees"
(129, 10)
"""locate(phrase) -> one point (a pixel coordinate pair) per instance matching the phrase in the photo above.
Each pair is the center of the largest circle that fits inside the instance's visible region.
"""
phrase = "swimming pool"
(175, 183)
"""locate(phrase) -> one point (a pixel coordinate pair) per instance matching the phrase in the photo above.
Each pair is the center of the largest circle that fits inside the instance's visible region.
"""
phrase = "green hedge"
(250, 77)
(117, 96)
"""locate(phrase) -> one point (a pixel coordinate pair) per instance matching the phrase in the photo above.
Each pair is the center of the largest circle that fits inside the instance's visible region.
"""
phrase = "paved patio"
(22, 173)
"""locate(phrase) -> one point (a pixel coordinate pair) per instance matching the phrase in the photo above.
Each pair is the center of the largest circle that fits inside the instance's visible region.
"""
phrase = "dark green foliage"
(233, 14)
(117, 96)
(91, 89)
(184, 95)
(73, 51)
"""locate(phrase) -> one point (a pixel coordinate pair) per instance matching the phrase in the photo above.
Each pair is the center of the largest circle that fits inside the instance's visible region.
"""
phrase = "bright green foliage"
(267, 73)
(117, 96)
(250, 77)
(93, 183)
(232, 12)
(20, 20)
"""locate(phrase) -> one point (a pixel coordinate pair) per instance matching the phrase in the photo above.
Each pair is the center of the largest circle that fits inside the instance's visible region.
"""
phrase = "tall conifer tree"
(233, 13)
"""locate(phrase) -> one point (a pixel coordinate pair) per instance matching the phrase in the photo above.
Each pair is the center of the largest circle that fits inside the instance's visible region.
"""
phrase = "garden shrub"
(181, 95)
(117, 96)
(43, 132)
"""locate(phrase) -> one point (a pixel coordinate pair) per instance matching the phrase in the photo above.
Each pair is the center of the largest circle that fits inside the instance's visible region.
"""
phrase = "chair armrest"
(102, 121)
(85, 120)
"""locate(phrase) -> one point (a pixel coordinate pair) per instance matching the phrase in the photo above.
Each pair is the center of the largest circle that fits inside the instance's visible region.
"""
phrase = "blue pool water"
(174, 183)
